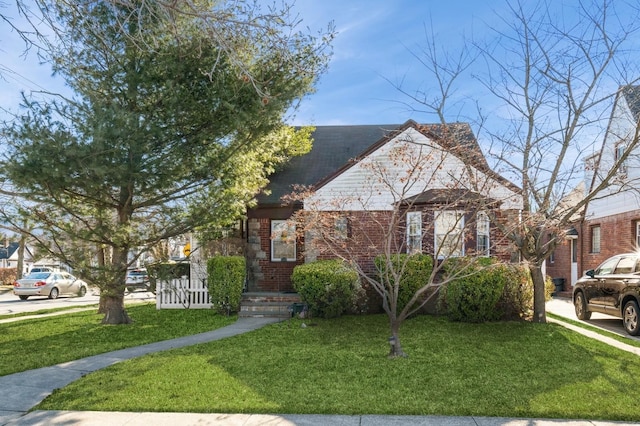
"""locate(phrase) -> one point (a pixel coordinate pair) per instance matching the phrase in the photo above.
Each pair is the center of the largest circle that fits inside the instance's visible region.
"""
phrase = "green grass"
(513, 369)
(40, 342)
(586, 326)
(45, 311)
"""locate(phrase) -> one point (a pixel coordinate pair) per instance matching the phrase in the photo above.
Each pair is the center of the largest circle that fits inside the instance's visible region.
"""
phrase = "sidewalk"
(22, 391)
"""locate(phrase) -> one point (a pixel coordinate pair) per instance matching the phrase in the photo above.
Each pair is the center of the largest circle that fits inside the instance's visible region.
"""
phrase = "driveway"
(563, 307)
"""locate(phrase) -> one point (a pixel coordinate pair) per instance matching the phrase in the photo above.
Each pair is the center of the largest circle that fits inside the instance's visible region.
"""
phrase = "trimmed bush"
(328, 287)
(516, 301)
(8, 276)
(417, 270)
(486, 291)
(225, 281)
(166, 271)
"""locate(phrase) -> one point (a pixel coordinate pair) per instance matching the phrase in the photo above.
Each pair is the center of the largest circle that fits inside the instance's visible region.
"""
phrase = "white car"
(50, 284)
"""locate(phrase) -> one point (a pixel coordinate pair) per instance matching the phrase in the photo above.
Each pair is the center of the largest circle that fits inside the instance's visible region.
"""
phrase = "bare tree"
(551, 73)
(415, 193)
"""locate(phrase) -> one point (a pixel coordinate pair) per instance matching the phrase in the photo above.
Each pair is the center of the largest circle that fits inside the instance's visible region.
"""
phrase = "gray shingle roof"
(336, 147)
(333, 147)
(632, 96)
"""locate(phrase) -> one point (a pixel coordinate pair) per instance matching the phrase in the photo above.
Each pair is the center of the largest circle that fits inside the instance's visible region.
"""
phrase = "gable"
(408, 164)
(9, 251)
(618, 197)
(332, 148)
(335, 149)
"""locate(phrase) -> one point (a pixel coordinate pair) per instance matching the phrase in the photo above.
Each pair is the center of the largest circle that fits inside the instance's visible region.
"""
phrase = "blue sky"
(373, 44)
(373, 51)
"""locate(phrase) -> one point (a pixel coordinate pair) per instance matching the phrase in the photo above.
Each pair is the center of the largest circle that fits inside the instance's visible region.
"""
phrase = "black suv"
(612, 288)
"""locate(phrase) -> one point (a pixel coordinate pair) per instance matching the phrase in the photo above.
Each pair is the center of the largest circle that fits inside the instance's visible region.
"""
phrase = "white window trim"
(483, 229)
(278, 229)
(593, 240)
(414, 232)
(459, 236)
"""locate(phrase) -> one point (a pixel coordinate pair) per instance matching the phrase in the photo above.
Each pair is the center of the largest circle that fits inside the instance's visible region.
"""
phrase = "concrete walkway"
(22, 391)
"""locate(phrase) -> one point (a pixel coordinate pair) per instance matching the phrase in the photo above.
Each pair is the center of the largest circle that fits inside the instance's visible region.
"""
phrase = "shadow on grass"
(41, 342)
(340, 367)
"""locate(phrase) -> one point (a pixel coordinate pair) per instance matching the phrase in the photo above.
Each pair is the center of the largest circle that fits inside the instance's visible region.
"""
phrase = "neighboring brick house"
(339, 167)
(563, 266)
(612, 221)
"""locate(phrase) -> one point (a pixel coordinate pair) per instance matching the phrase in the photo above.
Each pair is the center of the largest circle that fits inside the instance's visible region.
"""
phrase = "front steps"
(268, 305)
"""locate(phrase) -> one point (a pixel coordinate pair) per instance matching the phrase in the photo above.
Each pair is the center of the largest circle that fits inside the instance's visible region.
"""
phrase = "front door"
(574, 261)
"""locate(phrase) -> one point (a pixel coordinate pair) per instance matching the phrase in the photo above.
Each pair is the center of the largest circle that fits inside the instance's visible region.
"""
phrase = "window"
(638, 234)
(595, 239)
(607, 267)
(620, 149)
(448, 234)
(626, 265)
(341, 228)
(482, 231)
(283, 241)
(414, 232)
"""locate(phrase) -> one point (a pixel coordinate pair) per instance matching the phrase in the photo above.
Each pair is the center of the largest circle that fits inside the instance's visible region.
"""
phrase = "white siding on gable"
(407, 165)
(612, 200)
(621, 202)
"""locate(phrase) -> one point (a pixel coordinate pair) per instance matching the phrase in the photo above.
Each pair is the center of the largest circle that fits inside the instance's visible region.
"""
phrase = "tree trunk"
(114, 311)
(396, 348)
(539, 302)
(20, 265)
(112, 294)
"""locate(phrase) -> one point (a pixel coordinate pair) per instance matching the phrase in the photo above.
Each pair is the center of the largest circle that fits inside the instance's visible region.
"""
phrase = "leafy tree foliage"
(169, 129)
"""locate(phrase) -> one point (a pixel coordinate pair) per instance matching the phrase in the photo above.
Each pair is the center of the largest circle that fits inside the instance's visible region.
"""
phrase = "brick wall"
(264, 274)
(617, 235)
(367, 236)
(561, 265)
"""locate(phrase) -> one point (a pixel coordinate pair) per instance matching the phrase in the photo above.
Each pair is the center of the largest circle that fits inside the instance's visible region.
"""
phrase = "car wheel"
(581, 307)
(23, 297)
(82, 292)
(54, 293)
(630, 318)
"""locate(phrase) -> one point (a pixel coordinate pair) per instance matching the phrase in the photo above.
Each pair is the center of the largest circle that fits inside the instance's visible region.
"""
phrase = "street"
(11, 304)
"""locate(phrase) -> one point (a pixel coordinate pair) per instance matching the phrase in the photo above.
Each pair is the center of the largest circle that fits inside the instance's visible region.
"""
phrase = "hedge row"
(328, 287)
(225, 281)
(476, 290)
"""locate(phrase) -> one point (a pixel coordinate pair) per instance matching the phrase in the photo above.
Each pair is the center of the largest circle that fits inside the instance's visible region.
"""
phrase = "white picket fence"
(182, 294)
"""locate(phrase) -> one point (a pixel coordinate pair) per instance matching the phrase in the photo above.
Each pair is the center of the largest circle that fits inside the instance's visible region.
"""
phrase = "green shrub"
(414, 269)
(549, 288)
(516, 301)
(225, 280)
(166, 271)
(486, 291)
(328, 287)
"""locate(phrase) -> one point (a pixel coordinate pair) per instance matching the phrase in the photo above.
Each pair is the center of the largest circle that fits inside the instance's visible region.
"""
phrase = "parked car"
(40, 269)
(612, 288)
(137, 278)
(51, 284)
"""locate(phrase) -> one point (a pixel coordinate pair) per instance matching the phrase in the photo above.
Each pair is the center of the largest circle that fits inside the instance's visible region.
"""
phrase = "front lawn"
(339, 366)
(41, 342)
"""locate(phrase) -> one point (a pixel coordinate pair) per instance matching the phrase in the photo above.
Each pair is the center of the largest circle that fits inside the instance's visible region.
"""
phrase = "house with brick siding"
(612, 221)
(339, 166)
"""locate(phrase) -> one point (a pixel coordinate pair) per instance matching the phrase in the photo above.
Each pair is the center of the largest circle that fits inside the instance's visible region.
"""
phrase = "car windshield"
(137, 273)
